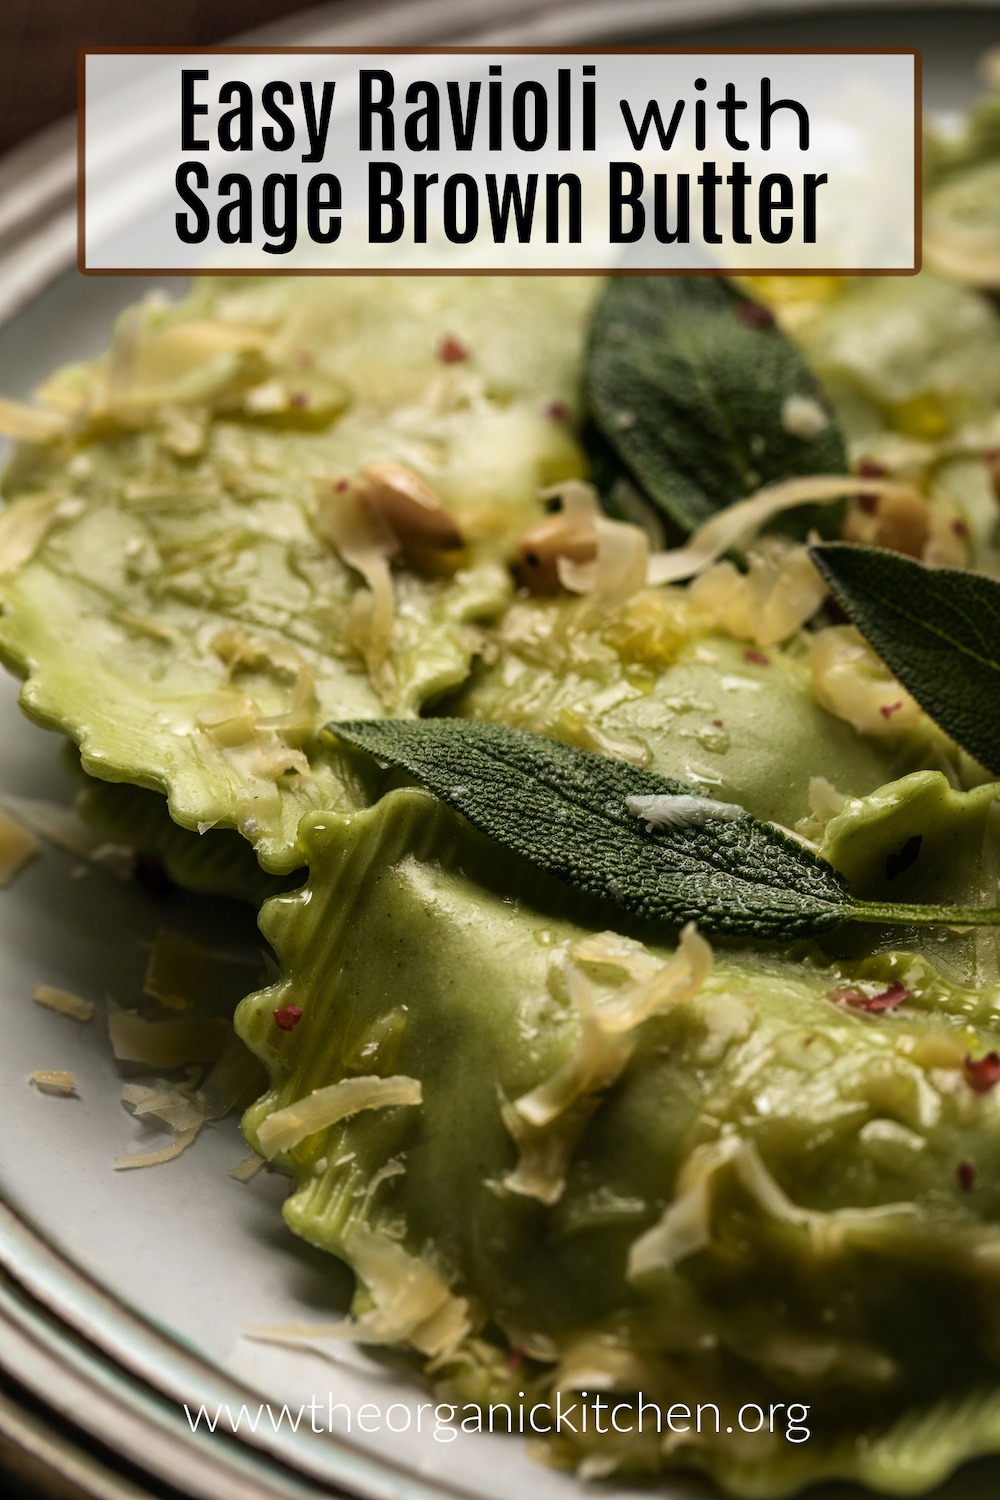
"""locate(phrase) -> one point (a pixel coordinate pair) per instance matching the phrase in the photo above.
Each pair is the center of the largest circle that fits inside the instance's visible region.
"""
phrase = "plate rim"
(105, 1386)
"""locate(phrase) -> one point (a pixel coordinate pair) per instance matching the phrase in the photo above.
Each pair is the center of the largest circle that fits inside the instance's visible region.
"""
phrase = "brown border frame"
(81, 136)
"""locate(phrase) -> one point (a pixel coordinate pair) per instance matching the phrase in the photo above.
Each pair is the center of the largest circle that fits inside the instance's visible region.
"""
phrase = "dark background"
(39, 41)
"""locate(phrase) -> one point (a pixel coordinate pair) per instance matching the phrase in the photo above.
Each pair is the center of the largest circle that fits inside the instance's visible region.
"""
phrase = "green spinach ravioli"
(570, 1152)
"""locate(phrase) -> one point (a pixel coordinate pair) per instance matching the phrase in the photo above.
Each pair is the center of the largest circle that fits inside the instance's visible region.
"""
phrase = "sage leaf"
(687, 380)
(938, 629)
(565, 810)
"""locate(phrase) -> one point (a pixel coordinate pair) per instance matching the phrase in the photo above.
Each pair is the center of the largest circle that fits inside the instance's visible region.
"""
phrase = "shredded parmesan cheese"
(325, 1107)
(413, 1304)
(850, 681)
(601, 558)
(17, 846)
(165, 1044)
(26, 424)
(55, 1081)
(163, 1101)
(166, 1153)
(64, 1002)
(778, 593)
(803, 417)
(685, 1228)
(685, 1225)
(365, 543)
(246, 1168)
(24, 525)
(178, 1110)
(737, 523)
(546, 1123)
(825, 803)
(680, 810)
(53, 821)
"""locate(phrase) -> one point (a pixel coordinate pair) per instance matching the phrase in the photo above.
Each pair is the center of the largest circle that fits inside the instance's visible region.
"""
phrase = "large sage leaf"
(937, 628)
(688, 380)
(565, 811)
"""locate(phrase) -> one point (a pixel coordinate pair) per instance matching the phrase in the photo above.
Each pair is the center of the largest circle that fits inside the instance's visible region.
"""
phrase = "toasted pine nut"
(542, 545)
(900, 522)
(417, 516)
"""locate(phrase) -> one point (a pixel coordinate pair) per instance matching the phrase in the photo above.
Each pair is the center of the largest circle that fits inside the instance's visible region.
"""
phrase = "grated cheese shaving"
(326, 1106)
(825, 804)
(779, 591)
(594, 1064)
(674, 983)
(542, 1157)
(365, 542)
(166, 1153)
(242, 652)
(734, 526)
(54, 1081)
(618, 568)
(685, 1227)
(177, 1109)
(26, 424)
(165, 1044)
(64, 1002)
(23, 527)
(850, 681)
(53, 821)
(681, 810)
(18, 845)
(546, 1123)
(246, 1168)
(803, 417)
(413, 1304)
(163, 1101)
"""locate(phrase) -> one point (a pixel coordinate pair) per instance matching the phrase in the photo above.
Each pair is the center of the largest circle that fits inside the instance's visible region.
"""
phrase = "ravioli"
(745, 1189)
(169, 529)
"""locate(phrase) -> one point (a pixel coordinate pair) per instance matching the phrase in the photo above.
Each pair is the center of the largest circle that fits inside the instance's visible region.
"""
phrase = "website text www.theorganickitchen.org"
(581, 1413)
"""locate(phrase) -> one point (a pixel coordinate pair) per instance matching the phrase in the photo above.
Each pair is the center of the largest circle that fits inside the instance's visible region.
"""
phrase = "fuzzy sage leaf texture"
(938, 629)
(703, 398)
(565, 810)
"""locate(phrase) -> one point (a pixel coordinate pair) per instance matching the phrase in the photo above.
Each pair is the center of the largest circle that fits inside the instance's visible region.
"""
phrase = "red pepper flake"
(298, 399)
(757, 657)
(716, 723)
(960, 528)
(888, 709)
(868, 504)
(754, 315)
(557, 411)
(288, 1017)
(870, 468)
(982, 1073)
(966, 1174)
(341, 486)
(452, 351)
(515, 1359)
(872, 1004)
